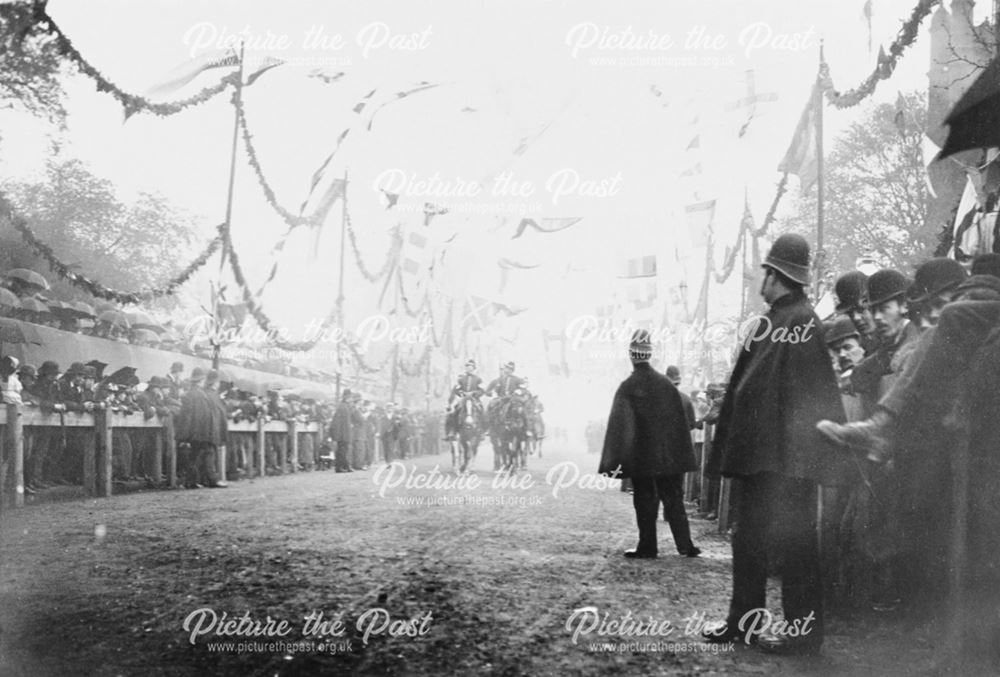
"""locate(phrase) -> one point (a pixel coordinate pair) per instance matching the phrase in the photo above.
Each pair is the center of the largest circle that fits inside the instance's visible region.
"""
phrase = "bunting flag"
(700, 218)
(432, 210)
(390, 198)
(421, 87)
(557, 362)
(506, 265)
(695, 143)
(550, 225)
(691, 172)
(417, 255)
(192, 68)
(318, 174)
(477, 313)
(325, 75)
(266, 64)
(509, 311)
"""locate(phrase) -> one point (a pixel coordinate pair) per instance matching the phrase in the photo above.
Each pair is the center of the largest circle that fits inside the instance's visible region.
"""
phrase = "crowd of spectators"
(207, 412)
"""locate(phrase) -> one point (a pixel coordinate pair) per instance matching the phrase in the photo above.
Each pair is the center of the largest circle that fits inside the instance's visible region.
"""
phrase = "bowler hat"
(934, 277)
(27, 370)
(158, 382)
(789, 255)
(98, 368)
(674, 374)
(76, 369)
(470, 363)
(885, 285)
(176, 367)
(509, 365)
(851, 289)
(197, 374)
(48, 367)
(840, 329)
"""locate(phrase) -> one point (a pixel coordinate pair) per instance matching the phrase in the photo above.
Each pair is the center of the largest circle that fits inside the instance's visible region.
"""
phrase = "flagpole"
(820, 257)
(237, 102)
(340, 285)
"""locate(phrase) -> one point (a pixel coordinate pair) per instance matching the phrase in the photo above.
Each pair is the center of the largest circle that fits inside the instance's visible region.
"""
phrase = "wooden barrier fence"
(97, 442)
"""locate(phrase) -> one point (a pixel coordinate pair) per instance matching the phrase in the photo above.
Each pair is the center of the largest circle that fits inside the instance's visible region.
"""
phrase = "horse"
(536, 431)
(463, 449)
(512, 434)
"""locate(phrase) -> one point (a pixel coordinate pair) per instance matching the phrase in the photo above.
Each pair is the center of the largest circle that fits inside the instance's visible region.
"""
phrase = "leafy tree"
(876, 191)
(80, 217)
(31, 65)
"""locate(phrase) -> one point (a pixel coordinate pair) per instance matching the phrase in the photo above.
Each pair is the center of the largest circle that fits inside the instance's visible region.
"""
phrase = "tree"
(80, 217)
(876, 191)
(31, 64)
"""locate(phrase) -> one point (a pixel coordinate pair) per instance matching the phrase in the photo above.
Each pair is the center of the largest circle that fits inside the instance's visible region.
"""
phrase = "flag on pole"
(550, 225)
(700, 218)
(800, 159)
(192, 68)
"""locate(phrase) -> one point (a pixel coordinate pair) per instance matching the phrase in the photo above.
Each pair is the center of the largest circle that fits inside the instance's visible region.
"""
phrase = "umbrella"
(32, 304)
(140, 320)
(7, 298)
(114, 317)
(29, 278)
(12, 331)
(84, 309)
(144, 336)
(974, 122)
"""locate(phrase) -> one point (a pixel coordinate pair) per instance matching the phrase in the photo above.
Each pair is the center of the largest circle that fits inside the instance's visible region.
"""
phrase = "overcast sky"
(619, 88)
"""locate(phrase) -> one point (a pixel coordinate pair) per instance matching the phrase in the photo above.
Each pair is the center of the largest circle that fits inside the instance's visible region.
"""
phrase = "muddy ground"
(481, 580)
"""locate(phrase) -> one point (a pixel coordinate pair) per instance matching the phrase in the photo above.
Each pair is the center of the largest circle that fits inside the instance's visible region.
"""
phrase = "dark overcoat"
(779, 389)
(647, 433)
(197, 419)
(340, 426)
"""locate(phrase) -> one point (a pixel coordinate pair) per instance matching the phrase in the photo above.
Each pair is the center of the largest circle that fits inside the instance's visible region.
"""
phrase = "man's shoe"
(785, 646)
(722, 633)
(693, 551)
(639, 554)
(868, 436)
(219, 485)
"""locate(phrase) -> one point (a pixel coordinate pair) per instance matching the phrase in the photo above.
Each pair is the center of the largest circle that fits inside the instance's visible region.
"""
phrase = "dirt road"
(371, 576)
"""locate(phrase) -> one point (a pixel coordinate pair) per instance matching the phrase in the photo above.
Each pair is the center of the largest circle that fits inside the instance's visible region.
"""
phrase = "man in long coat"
(647, 440)
(198, 425)
(782, 385)
(340, 432)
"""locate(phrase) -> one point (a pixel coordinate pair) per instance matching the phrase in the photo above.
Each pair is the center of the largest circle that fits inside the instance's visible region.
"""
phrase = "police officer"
(766, 441)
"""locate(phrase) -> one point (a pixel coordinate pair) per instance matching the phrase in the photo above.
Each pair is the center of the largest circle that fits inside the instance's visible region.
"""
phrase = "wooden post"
(157, 473)
(261, 446)
(170, 441)
(293, 439)
(103, 421)
(15, 441)
(91, 443)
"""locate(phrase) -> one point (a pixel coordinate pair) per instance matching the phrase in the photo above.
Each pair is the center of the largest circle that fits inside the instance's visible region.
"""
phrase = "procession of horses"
(513, 424)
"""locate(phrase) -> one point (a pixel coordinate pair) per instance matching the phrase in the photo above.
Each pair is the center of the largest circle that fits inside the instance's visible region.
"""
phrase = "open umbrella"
(114, 317)
(30, 303)
(140, 320)
(84, 310)
(974, 122)
(7, 298)
(28, 278)
(12, 331)
(144, 336)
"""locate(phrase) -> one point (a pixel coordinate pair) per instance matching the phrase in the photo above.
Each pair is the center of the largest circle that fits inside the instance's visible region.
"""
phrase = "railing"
(98, 444)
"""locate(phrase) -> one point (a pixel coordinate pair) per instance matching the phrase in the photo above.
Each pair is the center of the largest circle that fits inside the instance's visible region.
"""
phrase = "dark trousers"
(776, 515)
(671, 491)
(341, 457)
(647, 492)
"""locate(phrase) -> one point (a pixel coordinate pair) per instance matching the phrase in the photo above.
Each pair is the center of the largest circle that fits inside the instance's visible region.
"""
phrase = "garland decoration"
(390, 256)
(92, 287)
(417, 368)
(886, 62)
(132, 103)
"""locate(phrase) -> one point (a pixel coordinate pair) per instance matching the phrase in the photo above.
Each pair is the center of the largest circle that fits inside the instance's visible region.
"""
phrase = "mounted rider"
(503, 387)
(469, 385)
